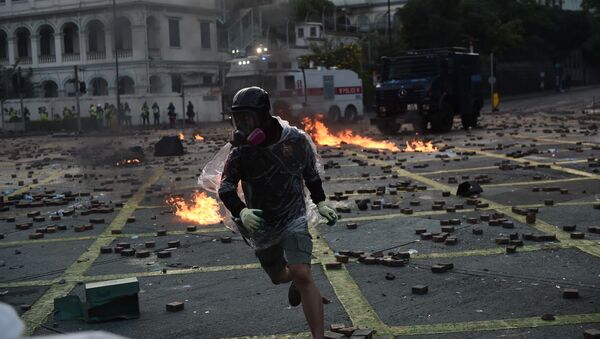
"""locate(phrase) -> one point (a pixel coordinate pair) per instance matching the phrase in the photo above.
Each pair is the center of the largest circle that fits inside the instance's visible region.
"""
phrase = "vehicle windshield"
(409, 68)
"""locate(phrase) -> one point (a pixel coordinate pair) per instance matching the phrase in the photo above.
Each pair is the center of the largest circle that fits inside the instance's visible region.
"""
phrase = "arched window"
(70, 33)
(23, 43)
(99, 87)
(50, 89)
(155, 84)
(123, 34)
(46, 36)
(126, 85)
(95, 36)
(3, 45)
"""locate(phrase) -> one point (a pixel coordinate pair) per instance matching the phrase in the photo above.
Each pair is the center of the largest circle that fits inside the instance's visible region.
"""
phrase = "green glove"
(252, 219)
(328, 213)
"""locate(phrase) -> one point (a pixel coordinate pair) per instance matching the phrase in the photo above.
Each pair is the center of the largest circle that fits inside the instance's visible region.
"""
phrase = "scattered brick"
(549, 202)
(106, 250)
(226, 240)
(163, 254)
(420, 289)
(548, 317)
(128, 252)
(577, 235)
(390, 276)
(592, 333)
(569, 228)
(363, 333)
(142, 254)
(352, 226)
(191, 228)
(161, 233)
(511, 249)
(97, 220)
(175, 306)
(342, 258)
(530, 218)
(116, 231)
(420, 230)
(174, 243)
(570, 293)
(333, 335)
(123, 245)
(451, 241)
(36, 235)
(477, 231)
(441, 268)
(333, 265)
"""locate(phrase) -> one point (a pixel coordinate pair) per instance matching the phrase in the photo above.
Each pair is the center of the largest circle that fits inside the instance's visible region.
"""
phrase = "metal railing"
(96, 55)
(70, 57)
(125, 53)
(45, 59)
(25, 60)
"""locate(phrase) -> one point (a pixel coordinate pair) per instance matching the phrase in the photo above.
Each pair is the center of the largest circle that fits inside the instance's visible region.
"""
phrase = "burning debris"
(202, 209)
(198, 137)
(322, 136)
(128, 162)
(181, 136)
(420, 146)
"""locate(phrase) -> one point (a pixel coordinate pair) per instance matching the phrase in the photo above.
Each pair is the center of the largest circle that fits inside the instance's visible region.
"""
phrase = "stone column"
(109, 44)
(138, 41)
(82, 46)
(34, 50)
(11, 49)
(58, 46)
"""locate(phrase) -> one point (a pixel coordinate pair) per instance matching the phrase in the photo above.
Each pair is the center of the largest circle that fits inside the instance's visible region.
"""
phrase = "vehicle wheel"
(350, 114)
(441, 121)
(420, 125)
(469, 120)
(388, 127)
(334, 114)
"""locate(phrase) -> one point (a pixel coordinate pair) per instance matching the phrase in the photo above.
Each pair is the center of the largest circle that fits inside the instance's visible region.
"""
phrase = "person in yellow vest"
(145, 114)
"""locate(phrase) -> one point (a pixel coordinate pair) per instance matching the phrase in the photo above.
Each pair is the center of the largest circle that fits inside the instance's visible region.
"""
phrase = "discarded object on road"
(105, 300)
(468, 189)
(168, 146)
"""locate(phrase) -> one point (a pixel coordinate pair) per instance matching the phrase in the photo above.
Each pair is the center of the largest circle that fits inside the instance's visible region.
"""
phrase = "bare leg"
(312, 303)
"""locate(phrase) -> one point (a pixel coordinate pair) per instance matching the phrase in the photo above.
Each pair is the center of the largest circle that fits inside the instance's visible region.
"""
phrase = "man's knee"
(301, 274)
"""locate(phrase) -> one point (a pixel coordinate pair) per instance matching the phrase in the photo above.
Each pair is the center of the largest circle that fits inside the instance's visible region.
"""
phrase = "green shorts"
(294, 248)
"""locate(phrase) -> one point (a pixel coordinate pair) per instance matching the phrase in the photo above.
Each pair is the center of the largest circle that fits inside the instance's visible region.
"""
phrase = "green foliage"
(512, 29)
(9, 83)
(310, 10)
(591, 5)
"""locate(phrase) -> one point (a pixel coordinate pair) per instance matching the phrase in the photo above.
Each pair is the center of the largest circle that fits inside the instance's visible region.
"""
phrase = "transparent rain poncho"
(279, 191)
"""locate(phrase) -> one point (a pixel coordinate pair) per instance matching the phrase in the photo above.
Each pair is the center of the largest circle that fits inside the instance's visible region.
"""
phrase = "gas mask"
(249, 128)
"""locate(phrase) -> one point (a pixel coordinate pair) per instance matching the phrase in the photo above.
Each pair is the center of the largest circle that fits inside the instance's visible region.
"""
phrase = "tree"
(591, 5)
(9, 82)
(310, 10)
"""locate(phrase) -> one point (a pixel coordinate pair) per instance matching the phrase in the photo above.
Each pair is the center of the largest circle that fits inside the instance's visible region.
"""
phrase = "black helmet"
(251, 98)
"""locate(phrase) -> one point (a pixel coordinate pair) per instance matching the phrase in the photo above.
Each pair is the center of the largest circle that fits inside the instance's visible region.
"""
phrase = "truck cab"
(429, 87)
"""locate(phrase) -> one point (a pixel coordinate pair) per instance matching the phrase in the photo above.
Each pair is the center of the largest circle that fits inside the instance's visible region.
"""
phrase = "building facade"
(161, 46)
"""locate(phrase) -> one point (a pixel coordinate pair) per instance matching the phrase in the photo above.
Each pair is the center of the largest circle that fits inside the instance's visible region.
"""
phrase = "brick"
(36, 236)
(341, 258)
(420, 289)
(438, 238)
(513, 236)
(79, 228)
(592, 333)
(333, 335)
(477, 231)
(336, 327)
(118, 249)
(161, 233)
(451, 241)
(352, 226)
(569, 228)
(530, 218)
(426, 236)
(420, 230)
(594, 229)
(150, 244)
(448, 229)
(363, 333)
(116, 231)
(128, 252)
(548, 317)
(97, 220)
(130, 220)
(226, 240)
(347, 331)
(88, 227)
(33, 214)
(455, 222)
(502, 240)
(393, 262)
(516, 242)
(173, 243)
(577, 235)
(163, 254)
(51, 229)
(175, 306)
(570, 293)
(123, 245)
(472, 221)
(389, 276)
(106, 250)
(549, 202)
(511, 249)
(508, 224)
(333, 265)
(441, 268)
(39, 219)
(142, 254)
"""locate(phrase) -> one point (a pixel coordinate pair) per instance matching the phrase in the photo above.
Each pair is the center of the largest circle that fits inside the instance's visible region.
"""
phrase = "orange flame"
(203, 209)
(420, 146)
(322, 136)
(128, 162)
(198, 137)
(181, 136)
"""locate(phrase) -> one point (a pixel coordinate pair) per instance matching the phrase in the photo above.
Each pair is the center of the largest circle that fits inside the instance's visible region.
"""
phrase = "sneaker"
(294, 295)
